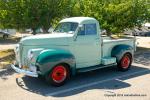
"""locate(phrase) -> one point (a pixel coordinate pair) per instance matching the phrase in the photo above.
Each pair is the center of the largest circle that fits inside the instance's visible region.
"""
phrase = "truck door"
(87, 46)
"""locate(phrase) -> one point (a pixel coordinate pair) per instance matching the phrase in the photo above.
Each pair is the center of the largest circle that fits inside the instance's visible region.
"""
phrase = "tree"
(5, 16)
(113, 15)
(116, 15)
(29, 13)
(147, 4)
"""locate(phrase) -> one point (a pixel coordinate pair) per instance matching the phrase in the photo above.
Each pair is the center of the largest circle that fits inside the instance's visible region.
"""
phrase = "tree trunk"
(34, 31)
(45, 30)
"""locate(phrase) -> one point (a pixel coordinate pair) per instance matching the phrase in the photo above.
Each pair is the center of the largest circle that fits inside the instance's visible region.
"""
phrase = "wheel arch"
(119, 50)
(48, 59)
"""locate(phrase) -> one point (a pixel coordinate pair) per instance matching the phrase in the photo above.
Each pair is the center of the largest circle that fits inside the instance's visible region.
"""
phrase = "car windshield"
(66, 27)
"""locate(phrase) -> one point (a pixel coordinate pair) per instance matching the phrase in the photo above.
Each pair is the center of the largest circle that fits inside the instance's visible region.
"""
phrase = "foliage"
(116, 15)
(113, 15)
(28, 13)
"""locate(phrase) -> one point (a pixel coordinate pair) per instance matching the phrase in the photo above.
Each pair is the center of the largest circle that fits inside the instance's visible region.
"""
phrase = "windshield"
(66, 27)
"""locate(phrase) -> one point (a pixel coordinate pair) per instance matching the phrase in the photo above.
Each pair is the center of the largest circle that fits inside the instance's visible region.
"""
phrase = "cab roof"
(77, 19)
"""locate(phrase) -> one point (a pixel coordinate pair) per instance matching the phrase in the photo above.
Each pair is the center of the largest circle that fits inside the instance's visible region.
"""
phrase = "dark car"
(4, 34)
(140, 32)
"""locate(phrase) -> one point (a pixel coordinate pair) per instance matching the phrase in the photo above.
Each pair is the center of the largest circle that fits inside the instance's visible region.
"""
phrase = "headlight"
(30, 54)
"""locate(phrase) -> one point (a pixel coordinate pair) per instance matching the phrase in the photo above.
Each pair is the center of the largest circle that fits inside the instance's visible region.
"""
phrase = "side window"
(82, 30)
(88, 29)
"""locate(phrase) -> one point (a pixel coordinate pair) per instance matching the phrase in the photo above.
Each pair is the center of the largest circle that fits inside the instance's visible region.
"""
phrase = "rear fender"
(119, 50)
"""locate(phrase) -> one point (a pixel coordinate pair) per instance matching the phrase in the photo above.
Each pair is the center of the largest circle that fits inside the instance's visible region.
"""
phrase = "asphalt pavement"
(103, 84)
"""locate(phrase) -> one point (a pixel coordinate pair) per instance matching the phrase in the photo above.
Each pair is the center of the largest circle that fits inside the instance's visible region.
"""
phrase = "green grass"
(6, 57)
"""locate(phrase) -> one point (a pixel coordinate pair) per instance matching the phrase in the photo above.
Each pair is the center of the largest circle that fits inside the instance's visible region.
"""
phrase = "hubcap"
(59, 74)
(125, 62)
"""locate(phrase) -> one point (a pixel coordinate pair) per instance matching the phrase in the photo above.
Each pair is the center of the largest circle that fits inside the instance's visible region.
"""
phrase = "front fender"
(119, 50)
(49, 58)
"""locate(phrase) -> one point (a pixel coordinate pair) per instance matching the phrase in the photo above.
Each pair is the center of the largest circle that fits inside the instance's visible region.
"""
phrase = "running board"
(94, 67)
(108, 60)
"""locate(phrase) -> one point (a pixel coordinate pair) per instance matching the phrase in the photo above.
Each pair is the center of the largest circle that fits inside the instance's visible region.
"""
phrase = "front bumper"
(26, 72)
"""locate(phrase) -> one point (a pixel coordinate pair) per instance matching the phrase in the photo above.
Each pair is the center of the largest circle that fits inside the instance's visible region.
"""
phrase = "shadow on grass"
(12, 40)
(6, 58)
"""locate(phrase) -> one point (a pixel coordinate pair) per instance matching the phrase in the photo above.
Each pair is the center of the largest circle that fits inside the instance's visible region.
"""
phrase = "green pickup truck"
(75, 45)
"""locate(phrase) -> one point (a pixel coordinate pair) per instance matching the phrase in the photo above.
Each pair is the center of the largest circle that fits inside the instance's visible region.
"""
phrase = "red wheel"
(58, 75)
(125, 63)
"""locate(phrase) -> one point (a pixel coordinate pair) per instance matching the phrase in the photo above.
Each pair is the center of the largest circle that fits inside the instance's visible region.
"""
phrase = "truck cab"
(75, 45)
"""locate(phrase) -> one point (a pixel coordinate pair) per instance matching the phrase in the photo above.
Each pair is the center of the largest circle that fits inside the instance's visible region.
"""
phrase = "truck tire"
(5, 36)
(125, 63)
(58, 75)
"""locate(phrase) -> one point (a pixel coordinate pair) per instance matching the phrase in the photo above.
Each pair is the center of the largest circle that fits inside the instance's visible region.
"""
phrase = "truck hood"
(47, 39)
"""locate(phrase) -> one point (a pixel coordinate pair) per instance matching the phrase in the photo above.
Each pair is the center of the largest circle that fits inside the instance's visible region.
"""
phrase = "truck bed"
(109, 43)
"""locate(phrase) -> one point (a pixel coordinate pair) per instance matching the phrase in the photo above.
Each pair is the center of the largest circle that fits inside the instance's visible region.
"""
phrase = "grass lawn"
(9, 40)
(6, 57)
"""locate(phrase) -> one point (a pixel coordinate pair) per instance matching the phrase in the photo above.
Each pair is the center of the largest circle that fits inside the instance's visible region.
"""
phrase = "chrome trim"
(26, 72)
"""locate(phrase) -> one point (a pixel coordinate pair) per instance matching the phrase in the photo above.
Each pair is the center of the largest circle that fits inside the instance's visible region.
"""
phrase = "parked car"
(74, 46)
(4, 34)
(128, 32)
(140, 32)
(7, 33)
(147, 25)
